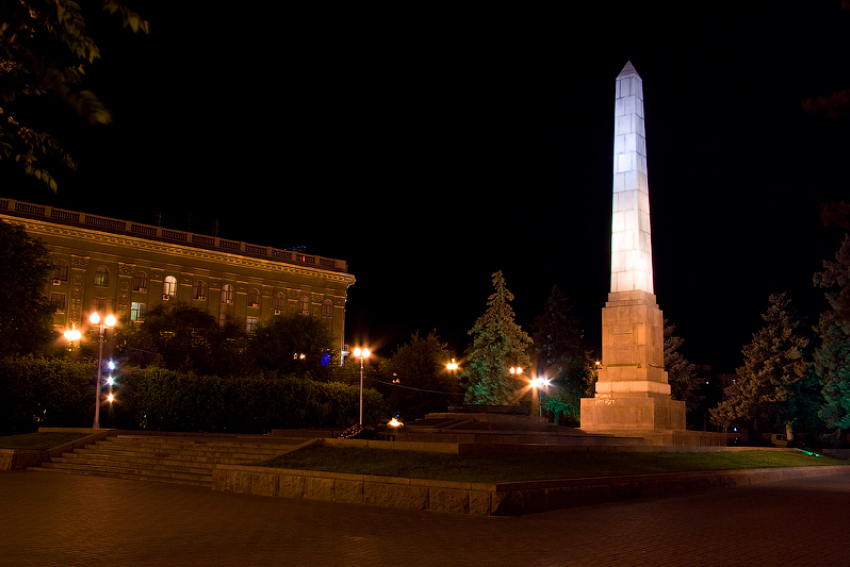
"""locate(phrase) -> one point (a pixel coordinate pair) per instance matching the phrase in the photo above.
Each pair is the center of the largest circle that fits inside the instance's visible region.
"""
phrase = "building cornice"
(82, 235)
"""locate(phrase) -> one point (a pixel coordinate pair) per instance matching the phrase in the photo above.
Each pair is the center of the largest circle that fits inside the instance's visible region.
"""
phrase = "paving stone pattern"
(49, 519)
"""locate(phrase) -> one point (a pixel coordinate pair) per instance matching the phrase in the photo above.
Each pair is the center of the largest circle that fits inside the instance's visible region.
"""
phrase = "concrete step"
(155, 465)
(175, 459)
(208, 455)
(132, 472)
(203, 482)
(143, 458)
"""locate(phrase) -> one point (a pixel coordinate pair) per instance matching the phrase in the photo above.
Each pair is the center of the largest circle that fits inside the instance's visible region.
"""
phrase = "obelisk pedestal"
(632, 391)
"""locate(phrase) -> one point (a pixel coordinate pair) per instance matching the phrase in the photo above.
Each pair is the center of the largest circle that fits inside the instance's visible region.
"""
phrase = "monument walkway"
(51, 520)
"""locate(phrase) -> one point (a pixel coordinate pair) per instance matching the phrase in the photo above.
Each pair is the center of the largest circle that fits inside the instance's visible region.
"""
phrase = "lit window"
(222, 319)
(253, 298)
(137, 311)
(227, 294)
(101, 276)
(251, 325)
(169, 286)
(140, 281)
(327, 308)
(60, 271)
(304, 305)
(57, 300)
(279, 303)
(199, 291)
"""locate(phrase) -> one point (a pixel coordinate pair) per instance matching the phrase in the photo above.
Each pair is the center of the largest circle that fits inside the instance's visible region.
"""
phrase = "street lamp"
(452, 366)
(72, 335)
(110, 322)
(535, 395)
(361, 353)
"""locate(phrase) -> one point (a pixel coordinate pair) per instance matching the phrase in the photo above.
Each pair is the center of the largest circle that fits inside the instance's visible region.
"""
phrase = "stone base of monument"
(659, 421)
(610, 413)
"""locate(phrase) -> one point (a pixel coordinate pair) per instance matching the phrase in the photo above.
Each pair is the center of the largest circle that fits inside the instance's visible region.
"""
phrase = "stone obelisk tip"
(629, 69)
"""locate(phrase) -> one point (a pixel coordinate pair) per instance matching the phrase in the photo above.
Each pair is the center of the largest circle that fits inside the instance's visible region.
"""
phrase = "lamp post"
(108, 323)
(361, 353)
(535, 394)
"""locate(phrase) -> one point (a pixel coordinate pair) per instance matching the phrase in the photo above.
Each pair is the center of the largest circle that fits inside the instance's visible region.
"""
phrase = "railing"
(156, 232)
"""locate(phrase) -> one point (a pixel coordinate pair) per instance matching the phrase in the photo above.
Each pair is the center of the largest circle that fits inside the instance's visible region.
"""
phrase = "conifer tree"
(562, 356)
(774, 387)
(498, 344)
(832, 357)
(681, 373)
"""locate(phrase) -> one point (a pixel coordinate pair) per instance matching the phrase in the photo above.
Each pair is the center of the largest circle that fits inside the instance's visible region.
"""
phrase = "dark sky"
(430, 148)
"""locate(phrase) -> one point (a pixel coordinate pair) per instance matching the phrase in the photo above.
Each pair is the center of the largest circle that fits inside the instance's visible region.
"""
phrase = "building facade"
(126, 268)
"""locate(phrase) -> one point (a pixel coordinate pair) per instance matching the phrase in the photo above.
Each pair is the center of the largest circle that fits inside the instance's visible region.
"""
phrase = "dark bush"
(35, 392)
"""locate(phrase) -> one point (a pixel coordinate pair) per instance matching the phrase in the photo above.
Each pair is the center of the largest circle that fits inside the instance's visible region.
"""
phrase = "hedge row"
(37, 392)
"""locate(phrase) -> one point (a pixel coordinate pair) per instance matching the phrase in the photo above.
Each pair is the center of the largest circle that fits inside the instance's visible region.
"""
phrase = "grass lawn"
(38, 441)
(551, 466)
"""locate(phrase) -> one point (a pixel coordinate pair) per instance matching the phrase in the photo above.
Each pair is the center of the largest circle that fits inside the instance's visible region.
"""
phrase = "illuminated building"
(126, 268)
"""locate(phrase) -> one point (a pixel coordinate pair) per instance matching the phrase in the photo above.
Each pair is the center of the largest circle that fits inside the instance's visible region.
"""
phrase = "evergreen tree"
(832, 357)
(562, 356)
(682, 374)
(498, 344)
(26, 321)
(775, 386)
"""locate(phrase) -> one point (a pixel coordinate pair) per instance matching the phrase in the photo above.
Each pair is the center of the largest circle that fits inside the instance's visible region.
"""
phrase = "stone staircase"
(172, 459)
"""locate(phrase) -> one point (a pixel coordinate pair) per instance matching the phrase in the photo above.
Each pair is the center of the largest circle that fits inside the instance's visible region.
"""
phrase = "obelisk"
(632, 391)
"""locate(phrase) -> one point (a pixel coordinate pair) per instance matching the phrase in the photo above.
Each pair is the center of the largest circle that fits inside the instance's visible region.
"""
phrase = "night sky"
(431, 148)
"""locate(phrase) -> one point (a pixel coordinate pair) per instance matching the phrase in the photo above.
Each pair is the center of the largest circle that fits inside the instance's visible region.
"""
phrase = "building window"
(60, 271)
(199, 291)
(227, 293)
(99, 305)
(137, 311)
(57, 300)
(140, 281)
(279, 303)
(169, 286)
(327, 308)
(304, 305)
(222, 319)
(101, 276)
(251, 325)
(253, 298)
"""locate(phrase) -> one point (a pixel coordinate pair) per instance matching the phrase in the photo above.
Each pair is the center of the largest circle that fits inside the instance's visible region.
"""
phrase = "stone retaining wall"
(505, 499)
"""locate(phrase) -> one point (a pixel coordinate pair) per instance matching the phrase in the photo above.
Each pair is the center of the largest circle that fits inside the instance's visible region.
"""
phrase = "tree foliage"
(832, 357)
(25, 312)
(415, 377)
(775, 386)
(294, 345)
(562, 356)
(45, 49)
(682, 374)
(498, 344)
(179, 337)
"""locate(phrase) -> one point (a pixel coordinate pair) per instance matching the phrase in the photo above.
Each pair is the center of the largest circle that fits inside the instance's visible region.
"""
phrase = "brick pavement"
(55, 519)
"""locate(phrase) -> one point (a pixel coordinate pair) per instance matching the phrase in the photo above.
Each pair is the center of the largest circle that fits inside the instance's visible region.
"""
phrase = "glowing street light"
(72, 335)
(109, 323)
(361, 353)
(452, 366)
(535, 395)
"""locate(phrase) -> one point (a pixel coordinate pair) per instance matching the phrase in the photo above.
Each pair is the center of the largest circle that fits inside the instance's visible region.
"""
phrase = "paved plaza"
(50, 519)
